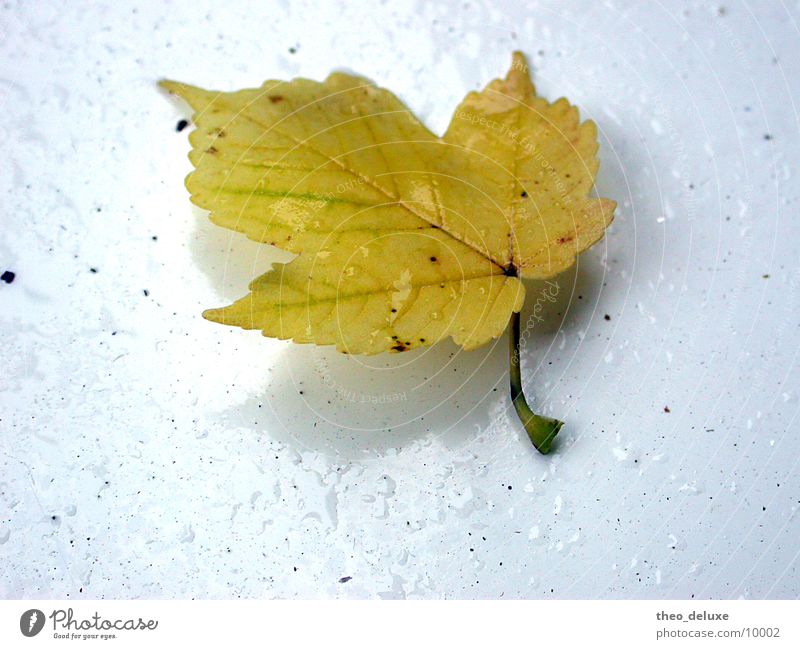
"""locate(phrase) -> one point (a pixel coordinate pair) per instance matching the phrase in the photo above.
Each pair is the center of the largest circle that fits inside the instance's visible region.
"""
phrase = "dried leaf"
(403, 238)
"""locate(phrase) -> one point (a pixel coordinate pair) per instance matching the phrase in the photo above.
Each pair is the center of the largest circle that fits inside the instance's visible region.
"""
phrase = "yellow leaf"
(402, 238)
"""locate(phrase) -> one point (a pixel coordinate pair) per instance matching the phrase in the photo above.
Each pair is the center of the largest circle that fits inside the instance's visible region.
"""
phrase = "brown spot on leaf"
(212, 150)
(275, 98)
(399, 347)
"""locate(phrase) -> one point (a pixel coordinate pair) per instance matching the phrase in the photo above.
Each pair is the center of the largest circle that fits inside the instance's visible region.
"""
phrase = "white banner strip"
(412, 624)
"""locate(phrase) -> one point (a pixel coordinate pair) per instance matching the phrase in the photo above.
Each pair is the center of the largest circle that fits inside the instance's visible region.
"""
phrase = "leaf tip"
(518, 61)
(607, 208)
(168, 85)
(215, 315)
(518, 80)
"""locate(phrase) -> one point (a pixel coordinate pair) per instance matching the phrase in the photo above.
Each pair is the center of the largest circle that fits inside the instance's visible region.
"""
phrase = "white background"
(145, 452)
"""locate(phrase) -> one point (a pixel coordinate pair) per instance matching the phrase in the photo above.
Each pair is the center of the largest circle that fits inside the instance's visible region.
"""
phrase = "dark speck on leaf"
(292, 50)
(182, 124)
(399, 347)
(92, 270)
(607, 317)
(524, 194)
(344, 580)
(212, 150)
(765, 276)
(8, 276)
(767, 136)
(394, 310)
(146, 292)
(275, 98)
(433, 258)
(666, 409)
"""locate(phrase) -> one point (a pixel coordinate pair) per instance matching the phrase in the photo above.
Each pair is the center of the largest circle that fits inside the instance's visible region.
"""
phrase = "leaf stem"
(541, 430)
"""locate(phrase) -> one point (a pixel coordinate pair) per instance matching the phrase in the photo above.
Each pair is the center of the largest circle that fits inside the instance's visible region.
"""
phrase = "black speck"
(182, 124)
(607, 317)
(154, 237)
(146, 292)
(292, 50)
(666, 409)
(344, 580)
(524, 194)
(433, 258)
(8, 276)
(767, 136)
(92, 270)
(765, 276)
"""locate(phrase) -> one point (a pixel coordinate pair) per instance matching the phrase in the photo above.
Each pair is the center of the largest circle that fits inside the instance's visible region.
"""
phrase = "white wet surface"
(145, 452)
